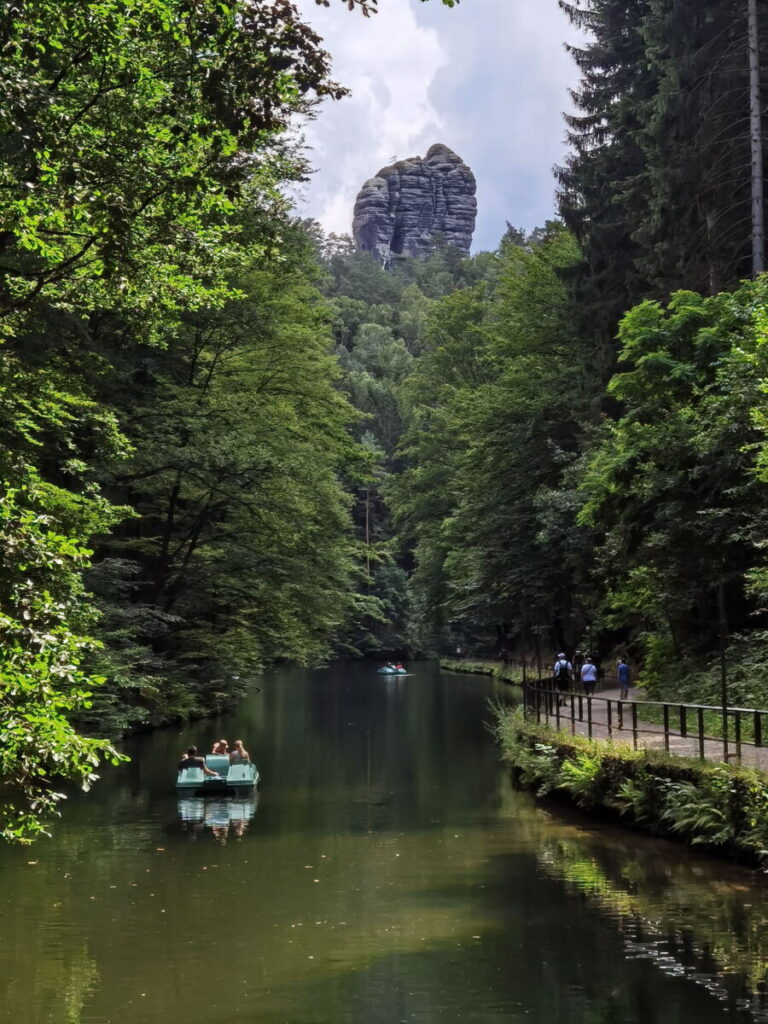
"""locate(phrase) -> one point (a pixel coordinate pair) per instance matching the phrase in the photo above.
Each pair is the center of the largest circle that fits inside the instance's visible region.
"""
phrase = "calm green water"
(390, 873)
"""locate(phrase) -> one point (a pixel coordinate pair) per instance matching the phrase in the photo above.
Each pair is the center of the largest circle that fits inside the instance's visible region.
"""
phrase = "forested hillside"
(229, 441)
(585, 443)
(176, 459)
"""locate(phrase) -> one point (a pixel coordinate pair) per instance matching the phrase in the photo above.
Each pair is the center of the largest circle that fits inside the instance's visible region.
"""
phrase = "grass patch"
(508, 673)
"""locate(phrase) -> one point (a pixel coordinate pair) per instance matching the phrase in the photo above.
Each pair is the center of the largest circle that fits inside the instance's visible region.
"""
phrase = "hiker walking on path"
(623, 678)
(589, 676)
(561, 674)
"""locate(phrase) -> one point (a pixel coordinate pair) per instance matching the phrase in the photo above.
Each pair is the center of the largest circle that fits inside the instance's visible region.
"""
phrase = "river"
(389, 872)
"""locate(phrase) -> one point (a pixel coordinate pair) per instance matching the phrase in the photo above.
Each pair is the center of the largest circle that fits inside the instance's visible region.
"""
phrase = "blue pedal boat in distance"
(232, 777)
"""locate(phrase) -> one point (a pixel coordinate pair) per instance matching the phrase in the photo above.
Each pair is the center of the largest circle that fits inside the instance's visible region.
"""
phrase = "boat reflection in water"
(226, 817)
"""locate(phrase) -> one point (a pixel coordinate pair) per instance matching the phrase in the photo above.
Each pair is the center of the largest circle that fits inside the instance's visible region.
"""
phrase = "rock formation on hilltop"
(400, 211)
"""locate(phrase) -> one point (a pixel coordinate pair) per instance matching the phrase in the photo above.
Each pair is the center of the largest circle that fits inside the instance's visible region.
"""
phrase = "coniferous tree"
(601, 181)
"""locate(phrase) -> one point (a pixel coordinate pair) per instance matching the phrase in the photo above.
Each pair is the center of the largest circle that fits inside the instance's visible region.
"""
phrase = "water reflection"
(674, 914)
(226, 817)
(393, 874)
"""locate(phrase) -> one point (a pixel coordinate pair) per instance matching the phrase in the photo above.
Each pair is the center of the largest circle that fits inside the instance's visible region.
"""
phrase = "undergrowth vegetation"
(717, 806)
(509, 673)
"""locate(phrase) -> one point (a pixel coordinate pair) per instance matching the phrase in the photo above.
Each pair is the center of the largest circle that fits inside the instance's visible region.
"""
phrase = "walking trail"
(650, 735)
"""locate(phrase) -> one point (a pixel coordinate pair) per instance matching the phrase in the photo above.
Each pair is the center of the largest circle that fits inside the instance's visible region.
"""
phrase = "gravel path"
(649, 734)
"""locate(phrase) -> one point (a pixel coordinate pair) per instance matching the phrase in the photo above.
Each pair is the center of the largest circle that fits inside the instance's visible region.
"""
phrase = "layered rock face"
(400, 211)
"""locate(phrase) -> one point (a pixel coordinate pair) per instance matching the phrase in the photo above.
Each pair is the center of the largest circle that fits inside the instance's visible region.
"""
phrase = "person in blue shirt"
(623, 678)
(589, 676)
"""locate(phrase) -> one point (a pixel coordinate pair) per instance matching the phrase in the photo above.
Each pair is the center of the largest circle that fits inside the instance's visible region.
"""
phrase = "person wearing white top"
(589, 676)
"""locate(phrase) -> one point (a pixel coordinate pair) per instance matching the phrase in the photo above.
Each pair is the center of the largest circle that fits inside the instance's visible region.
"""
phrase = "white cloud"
(489, 78)
(389, 62)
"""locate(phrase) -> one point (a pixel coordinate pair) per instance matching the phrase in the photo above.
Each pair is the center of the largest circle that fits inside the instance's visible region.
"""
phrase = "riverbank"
(716, 806)
(497, 669)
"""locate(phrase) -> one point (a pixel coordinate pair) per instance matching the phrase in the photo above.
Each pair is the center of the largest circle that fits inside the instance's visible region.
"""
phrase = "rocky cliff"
(400, 211)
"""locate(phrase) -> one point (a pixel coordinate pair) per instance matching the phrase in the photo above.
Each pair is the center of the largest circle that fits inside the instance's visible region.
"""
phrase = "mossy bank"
(507, 673)
(715, 806)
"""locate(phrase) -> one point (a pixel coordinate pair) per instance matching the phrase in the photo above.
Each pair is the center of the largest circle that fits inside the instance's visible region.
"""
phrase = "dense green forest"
(229, 441)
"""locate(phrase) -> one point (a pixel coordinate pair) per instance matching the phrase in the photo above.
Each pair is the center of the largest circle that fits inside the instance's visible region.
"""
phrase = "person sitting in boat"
(239, 754)
(192, 760)
(399, 667)
(220, 747)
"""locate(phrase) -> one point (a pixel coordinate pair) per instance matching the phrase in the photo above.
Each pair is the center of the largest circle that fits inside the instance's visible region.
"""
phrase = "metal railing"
(691, 730)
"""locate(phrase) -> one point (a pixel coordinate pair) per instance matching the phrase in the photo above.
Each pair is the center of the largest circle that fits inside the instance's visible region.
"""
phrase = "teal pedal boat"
(232, 777)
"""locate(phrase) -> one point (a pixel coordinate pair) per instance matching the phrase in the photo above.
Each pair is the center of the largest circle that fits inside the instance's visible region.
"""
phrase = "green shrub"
(699, 811)
(705, 804)
(583, 778)
(508, 673)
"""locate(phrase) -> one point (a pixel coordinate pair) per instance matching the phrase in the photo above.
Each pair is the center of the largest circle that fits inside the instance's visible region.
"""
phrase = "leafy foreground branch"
(716, 806)
(145, 155)
(41, 686)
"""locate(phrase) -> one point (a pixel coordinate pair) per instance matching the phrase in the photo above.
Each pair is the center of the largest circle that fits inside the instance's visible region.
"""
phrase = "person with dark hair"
(589, 676)
(623, 677)
(192, 760)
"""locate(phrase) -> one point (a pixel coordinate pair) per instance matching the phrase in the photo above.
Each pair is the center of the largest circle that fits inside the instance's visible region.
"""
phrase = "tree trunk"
(368, 532)
(723, 624)
(756, 139)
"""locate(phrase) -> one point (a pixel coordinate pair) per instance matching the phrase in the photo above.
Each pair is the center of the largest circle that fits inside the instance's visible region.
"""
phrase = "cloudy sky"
(489, 79)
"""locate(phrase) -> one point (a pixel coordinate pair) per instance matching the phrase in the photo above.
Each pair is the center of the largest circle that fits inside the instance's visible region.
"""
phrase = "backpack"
(563, 672)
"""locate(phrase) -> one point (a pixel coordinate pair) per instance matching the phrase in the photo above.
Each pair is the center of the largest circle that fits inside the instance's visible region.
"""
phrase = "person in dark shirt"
(192, 760)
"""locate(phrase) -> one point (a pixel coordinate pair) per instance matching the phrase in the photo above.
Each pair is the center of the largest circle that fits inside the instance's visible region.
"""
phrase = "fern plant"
(539, 766)
(634, 797)
(699, 812)
(755, 814)
(582, 778)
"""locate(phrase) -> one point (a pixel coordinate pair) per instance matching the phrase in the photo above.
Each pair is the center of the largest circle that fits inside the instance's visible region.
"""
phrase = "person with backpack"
(562, 674)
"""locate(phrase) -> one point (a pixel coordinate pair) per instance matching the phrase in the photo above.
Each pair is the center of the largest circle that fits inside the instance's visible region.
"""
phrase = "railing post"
(700, 716)
(666, 728)
(549, 703)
